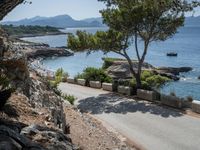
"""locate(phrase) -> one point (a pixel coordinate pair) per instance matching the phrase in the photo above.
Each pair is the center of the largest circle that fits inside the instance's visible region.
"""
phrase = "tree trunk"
(138, 81)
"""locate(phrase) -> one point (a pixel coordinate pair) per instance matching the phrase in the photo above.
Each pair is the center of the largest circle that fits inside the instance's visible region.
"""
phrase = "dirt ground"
(85, 131)
(89, 134)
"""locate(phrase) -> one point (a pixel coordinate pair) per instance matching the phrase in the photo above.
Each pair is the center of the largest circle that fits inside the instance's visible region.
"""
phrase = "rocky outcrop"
(120, 70)
(14, 64)
(7, 5)
(173, 70)
(39, 51)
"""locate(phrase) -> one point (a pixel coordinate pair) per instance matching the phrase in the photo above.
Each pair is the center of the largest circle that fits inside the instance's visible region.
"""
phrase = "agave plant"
(4, 82)
(5, 90)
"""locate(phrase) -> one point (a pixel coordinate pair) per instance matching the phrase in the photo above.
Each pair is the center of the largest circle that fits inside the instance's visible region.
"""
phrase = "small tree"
(131, 21)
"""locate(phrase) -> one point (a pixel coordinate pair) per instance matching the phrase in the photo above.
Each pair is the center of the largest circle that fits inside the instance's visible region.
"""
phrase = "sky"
(78, 9)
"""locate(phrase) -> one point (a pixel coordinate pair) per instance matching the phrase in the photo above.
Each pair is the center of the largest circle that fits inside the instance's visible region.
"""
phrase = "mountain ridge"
(66, 21)
(60, 21)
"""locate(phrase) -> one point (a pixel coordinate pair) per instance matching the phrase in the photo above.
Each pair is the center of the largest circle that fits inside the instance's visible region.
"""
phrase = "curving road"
(149, 125)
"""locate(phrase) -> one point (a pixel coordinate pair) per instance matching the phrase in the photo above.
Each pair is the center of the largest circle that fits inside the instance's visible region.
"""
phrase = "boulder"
(173, 70)
(121, 69)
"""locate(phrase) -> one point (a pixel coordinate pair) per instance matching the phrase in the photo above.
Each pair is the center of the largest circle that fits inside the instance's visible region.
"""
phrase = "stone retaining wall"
(81, 82)
(172, 101)
(125, 90)
(95, 84)
(71, 80)
(196, 106)
(147, 95)
(108, 87)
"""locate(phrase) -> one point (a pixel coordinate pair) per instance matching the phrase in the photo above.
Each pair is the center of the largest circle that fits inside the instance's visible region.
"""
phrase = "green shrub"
(60, 75)
(69, 98)
(133, 83)
(156, 81)
(4, 82)
(146, 74)
(145, 86)
(94, 74)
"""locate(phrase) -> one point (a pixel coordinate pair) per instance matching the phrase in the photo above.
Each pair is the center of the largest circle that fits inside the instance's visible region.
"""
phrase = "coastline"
(35, 35)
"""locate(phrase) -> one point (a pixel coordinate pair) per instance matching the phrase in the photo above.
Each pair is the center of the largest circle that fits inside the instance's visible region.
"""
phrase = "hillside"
(62, 21)
(28, 31)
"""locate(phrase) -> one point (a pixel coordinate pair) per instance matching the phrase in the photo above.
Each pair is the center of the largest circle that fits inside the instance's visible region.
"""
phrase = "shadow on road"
(111, 103)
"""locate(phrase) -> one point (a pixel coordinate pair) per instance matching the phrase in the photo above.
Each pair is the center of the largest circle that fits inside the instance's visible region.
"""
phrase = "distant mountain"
(61, 21)
(192, 21)
(65, 21)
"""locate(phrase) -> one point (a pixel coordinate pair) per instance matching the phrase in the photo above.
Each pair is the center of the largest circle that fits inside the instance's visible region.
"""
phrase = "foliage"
(94, 74)
(60, 75)
(150, 80)
(146, 74)
(23, 30)
(156, 81)
(69, 98)
(4, 81)
(130, 22)
(108, 61)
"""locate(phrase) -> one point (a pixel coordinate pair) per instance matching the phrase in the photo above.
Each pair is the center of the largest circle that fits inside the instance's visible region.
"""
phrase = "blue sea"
(186, 43)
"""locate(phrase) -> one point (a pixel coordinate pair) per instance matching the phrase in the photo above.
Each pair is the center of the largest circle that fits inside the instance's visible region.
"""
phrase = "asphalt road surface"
(149, 125)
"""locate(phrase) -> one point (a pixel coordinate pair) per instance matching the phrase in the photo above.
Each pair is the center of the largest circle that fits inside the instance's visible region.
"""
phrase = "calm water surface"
(186, 43)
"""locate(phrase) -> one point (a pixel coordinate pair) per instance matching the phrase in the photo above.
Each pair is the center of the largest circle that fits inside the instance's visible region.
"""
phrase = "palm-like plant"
(5, 90)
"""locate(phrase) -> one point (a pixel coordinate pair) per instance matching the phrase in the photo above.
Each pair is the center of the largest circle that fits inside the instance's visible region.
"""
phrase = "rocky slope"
(36, 118)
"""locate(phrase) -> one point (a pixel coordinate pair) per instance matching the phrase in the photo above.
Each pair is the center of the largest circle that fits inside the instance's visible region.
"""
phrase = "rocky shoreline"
(120, 70)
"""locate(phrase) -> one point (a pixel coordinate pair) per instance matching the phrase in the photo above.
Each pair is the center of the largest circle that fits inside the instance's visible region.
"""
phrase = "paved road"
(153, 127)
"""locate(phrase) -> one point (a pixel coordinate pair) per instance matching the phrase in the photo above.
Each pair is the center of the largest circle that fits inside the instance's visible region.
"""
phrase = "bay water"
(186, 43)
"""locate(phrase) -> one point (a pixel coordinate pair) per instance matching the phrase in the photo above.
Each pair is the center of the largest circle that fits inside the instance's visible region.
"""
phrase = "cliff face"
(7, 5)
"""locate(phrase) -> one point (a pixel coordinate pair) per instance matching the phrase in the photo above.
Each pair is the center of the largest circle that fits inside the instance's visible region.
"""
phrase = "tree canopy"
(131, 21)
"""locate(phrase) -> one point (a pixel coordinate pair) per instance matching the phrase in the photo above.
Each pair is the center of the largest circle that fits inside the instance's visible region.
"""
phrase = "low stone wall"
(125, 90)
(95, 84)
(108, 87)
(172, 101)
(147, 95)
(81, 82)
(71, 80)
(196, 106)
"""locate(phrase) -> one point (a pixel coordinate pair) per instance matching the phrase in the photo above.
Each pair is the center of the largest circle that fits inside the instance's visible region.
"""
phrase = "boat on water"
(172, 54)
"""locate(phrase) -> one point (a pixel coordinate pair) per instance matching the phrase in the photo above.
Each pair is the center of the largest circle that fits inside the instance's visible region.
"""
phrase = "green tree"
(131, 21)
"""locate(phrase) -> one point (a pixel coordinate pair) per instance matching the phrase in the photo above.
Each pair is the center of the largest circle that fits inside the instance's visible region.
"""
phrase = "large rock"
(45, 51)
(121, 69)
(173, 70)
(14, 141)
(54, 139)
